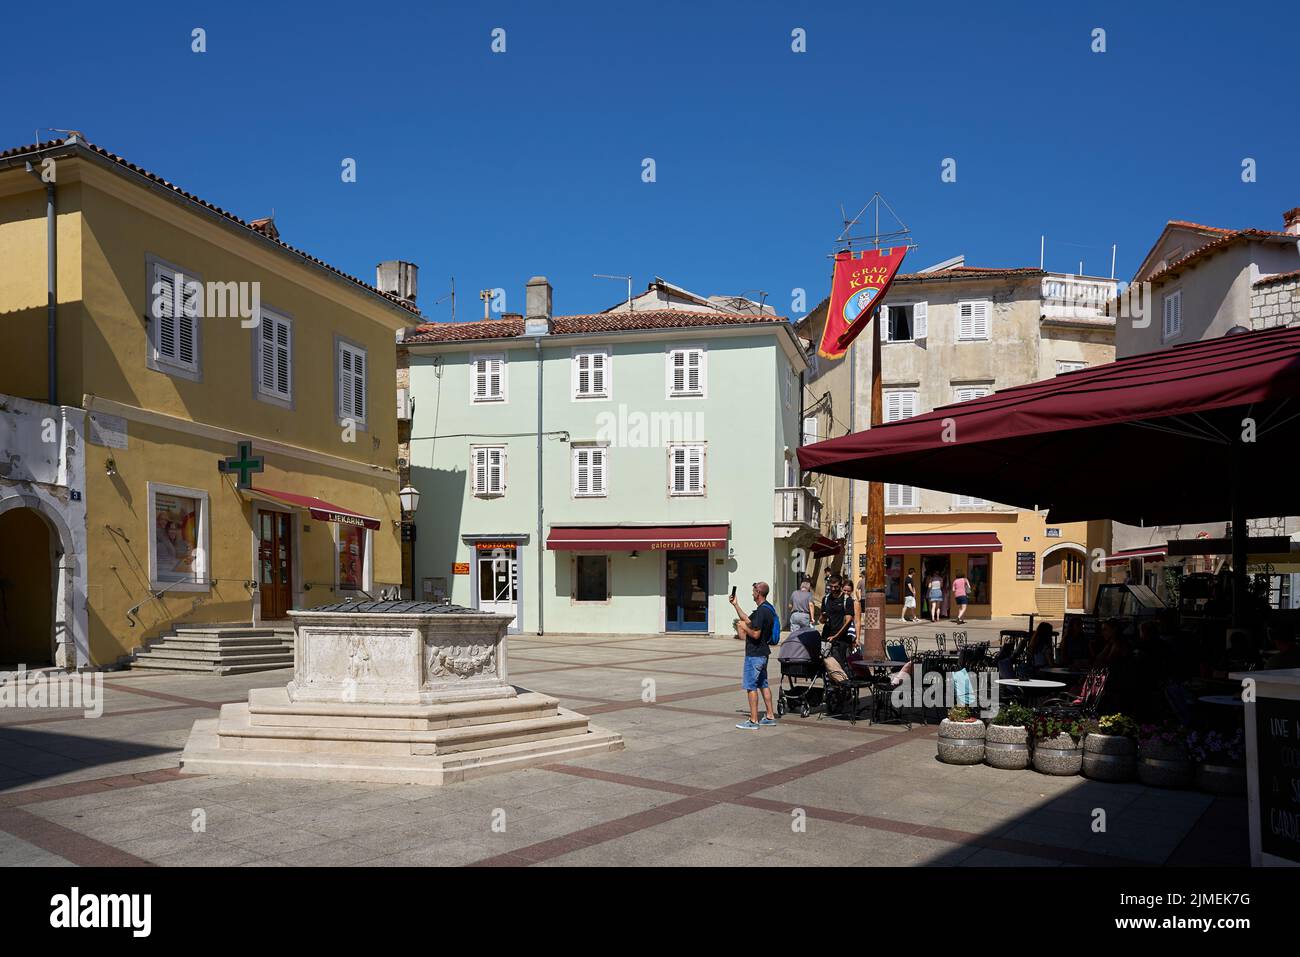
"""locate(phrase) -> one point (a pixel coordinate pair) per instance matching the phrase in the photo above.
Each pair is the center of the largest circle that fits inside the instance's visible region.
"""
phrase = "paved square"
(689, 790)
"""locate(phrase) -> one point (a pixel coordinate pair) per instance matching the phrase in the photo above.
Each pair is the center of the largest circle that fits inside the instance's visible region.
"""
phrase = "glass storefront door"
(686, 595)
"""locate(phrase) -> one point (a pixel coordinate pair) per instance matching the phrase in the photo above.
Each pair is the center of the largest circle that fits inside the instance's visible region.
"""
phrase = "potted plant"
(1110, 752)
(1006, 745)
(1163, 761)
(961, 737)
(1058, 743)
(1220, 761)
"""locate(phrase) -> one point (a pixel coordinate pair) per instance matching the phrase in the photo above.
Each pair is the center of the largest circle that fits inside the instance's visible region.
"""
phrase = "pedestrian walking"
(801, 606)
(909, 596)
(960, 596)
(757, 628)
(936, 595)
(840, 614)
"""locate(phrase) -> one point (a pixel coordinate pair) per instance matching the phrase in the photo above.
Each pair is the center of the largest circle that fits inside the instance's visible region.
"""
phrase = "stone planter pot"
(1165, 765)
(1061, 755)
(1221, 778)
(1006, 746)
(1109, 757)
(961, 742)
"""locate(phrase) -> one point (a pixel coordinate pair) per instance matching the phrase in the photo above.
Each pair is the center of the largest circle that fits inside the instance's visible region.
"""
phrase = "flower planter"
(1165, 765)
(1109, 757)
(1061, 755)
(961, 742)
(1006, 746)
(1221, 778)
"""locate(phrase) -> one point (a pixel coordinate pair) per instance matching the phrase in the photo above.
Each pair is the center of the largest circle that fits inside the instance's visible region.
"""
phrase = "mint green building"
(660, 473)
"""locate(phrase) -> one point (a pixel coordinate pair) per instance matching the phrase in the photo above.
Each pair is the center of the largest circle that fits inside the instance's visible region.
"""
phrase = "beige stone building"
(949, 334)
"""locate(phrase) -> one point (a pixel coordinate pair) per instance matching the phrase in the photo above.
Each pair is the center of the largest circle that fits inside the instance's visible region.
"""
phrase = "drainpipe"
(541, 613)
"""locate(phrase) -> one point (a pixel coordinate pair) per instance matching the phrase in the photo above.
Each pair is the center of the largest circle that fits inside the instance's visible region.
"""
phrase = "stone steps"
(218, 649)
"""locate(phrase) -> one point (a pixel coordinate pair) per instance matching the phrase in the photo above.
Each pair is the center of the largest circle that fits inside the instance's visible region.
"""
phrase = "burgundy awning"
(1151, 553)
(626, 538)
(942, 542)
(1151, 439)
(319, 509)
(825, 547)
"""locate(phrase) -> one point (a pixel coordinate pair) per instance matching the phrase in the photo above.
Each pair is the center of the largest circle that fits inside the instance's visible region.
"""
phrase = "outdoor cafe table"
(1031, 687)
(860, 665)
(1064, 672)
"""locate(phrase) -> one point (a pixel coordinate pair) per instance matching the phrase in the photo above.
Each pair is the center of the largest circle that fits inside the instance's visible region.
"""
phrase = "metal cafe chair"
(959, 639)
(941, 641)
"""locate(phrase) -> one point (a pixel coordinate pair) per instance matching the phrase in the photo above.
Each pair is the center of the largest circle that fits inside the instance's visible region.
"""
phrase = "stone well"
(396, 692)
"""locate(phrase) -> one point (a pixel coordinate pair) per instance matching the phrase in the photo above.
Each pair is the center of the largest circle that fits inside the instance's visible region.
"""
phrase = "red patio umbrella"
(1196, 433)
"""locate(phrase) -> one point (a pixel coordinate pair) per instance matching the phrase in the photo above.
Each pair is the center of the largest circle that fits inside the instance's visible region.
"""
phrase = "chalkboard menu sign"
(1277, 732)
(1025, 565)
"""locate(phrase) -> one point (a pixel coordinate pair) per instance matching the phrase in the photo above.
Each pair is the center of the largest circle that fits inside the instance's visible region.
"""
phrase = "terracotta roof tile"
(251, 227)
(585, 324)
(1279, 277)
(1224, 241)
(971, 272)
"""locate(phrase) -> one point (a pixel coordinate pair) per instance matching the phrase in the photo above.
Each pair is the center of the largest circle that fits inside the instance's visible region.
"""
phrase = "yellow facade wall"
(1018, 531)
(178, 429)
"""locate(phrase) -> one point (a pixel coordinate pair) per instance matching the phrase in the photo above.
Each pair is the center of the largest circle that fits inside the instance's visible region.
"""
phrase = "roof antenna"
(598, 275)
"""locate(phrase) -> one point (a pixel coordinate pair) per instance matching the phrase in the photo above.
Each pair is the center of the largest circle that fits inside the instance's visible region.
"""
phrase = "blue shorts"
(962, 599)
(755, 672)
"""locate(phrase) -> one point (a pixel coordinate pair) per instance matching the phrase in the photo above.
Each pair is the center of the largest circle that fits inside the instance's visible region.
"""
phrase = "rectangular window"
(178, 542)
(967, 501)
(979, 570)
(591, 578)
(899, 404)
(810, 432)
(686, 469)
(900, 496)
(488, 379)
(686, 371)
(274, 356)
(591, 375)
(898, 323)
(175, 307)
(489, 467)
(1069, 365)
(589, 471)
(351, 557)
(973, 319)
(964, 393)
(352, 382)
(1173, 314)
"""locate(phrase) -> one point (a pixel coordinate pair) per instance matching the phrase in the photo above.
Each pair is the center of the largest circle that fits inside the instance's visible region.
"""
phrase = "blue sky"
(495, 167)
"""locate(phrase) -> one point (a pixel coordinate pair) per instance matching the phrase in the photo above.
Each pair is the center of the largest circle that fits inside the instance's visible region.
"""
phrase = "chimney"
(537, 307)
(398, 279)
(1292, 219)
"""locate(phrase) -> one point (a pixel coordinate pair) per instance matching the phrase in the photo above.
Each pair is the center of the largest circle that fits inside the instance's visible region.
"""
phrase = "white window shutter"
(165, 319)
(480, 379)
(810, 434)
(882, 317)
(598, 373)
(283, 358)
(191, 303)
(359, 385)
(920, 320)
(267, 363)
(598, 472)
(345, 383)
(480, 472)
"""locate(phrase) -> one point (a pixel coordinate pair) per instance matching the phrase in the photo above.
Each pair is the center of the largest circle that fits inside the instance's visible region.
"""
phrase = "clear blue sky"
(495, 167)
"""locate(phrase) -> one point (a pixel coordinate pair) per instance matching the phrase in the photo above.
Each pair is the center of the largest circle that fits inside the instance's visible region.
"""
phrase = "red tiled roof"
(1223, 242)
(1280, 277)
(971, 272)
(1188, 225)
(585, 324)
(252, 227)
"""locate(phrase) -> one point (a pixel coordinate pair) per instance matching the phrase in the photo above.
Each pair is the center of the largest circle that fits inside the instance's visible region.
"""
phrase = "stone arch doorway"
(1064, 566)
(29, 581)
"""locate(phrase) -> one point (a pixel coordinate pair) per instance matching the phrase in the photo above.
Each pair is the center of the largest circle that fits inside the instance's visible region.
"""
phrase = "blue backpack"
(776, 625)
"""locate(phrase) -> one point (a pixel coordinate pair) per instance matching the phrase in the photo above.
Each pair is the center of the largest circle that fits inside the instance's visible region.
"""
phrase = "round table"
(1066, 672)
(1031, 686)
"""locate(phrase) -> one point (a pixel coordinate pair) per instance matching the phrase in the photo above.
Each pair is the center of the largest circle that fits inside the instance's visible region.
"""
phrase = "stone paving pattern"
(690, 789)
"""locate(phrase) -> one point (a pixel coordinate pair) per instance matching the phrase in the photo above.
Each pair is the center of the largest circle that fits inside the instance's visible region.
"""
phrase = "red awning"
(1151, 439)
(626, 538)
(825, 547)
(1149, 553)
(899, 542)
(319, 509)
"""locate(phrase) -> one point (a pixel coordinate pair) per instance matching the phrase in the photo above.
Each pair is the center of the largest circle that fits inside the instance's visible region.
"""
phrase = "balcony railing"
(1076, 297)
(798, 506)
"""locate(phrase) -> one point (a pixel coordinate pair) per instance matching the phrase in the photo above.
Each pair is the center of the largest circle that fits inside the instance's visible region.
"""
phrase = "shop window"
(591, 578)
(351, 552)
(894, 579)
(178, 542)
(979, 570)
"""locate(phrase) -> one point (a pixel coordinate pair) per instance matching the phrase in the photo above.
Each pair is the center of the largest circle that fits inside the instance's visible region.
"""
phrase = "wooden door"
(1072, 574)
(275, 563)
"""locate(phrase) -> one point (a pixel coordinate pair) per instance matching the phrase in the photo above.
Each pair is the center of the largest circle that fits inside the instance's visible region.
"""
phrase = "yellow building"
(182, 337)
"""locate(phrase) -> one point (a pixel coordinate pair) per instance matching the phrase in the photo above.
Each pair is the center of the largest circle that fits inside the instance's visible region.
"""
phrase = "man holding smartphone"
(756, 628)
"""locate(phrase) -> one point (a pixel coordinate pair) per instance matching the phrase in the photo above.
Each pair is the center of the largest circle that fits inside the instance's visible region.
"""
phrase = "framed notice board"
(1277, 739)
(1026, 563)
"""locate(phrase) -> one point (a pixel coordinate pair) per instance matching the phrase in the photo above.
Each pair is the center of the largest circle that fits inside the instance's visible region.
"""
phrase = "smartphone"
(733, 592)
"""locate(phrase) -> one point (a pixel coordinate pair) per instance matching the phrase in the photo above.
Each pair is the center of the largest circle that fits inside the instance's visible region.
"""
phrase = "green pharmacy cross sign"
(245, 463)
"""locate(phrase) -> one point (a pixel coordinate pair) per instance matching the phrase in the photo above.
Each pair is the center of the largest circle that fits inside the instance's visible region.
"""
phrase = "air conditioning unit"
(405, 405)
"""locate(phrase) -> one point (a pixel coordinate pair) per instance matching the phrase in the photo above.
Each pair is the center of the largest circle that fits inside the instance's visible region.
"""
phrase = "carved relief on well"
(462, 661)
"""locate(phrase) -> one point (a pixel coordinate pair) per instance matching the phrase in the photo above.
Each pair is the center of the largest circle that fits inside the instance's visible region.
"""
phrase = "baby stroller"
(803, 675)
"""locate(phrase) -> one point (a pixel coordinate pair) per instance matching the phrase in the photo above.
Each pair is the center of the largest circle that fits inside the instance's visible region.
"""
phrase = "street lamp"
(409, 497)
